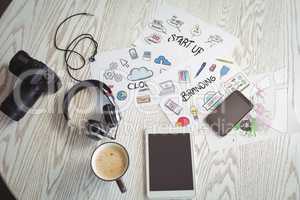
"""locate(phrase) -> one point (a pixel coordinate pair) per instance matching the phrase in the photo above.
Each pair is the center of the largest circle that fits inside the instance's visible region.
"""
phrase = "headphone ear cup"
(95, 129)
(110, 115)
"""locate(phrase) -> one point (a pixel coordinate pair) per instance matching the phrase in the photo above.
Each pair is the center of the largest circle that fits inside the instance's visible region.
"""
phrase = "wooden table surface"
(42, 158)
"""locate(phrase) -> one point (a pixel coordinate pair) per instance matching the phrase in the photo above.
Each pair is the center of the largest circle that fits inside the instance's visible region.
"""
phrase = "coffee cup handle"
(121, 185)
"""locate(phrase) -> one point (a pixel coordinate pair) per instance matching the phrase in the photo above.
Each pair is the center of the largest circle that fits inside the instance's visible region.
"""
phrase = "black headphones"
(96, 129)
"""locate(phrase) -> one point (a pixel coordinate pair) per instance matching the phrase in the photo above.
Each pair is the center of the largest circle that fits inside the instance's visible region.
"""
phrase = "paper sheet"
(129, 71)
(168, 58)
(187, 42)
(187, 37)
(197, 89)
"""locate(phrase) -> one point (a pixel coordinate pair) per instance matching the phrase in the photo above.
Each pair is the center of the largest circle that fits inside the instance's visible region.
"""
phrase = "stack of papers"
(180, 63)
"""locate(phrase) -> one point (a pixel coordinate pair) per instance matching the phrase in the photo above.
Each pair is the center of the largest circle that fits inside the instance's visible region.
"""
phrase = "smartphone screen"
(226, 115)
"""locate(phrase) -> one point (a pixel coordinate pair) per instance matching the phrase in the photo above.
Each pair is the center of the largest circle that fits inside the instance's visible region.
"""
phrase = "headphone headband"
(84, 85)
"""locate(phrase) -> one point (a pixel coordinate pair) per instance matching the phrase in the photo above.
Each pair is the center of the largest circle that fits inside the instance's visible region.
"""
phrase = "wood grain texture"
(42, 158)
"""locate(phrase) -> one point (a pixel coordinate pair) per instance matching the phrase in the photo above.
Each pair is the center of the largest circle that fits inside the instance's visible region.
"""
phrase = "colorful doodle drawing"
(174, 107)
(153, 39)
(162, 60)
(121, 95)
(109, 74)
(133, 53)
(137, 74)
(200, 69)
(157, 25)
(182, 122)
(113, 66)
(224, 60)
(224, 70)
(196, 31)
(184, 76)
(248, 126)
(211, 100)
(245, 125)
(194, 112)
(124, 62)
(175, 22)
(143, 99)
(167, 87)
(212, 67)
(214, 40)
(118, 77)
(237, 82)
(147, 55)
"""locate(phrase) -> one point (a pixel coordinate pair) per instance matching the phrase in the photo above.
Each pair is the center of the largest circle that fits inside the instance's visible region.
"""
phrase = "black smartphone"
(227, 114)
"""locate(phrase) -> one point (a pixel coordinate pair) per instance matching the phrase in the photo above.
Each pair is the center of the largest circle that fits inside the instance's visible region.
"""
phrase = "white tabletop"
(42, 158)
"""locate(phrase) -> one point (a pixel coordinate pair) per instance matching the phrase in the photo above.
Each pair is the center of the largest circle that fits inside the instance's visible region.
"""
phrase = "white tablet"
(169, 164)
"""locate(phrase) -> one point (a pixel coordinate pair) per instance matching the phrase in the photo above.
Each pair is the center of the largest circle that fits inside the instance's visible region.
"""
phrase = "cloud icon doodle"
(137, 74)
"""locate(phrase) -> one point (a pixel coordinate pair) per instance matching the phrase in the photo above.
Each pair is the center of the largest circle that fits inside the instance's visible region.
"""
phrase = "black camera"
(35, 78)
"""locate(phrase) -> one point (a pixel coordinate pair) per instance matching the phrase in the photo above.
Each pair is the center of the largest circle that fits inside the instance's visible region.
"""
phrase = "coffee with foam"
(110, 161)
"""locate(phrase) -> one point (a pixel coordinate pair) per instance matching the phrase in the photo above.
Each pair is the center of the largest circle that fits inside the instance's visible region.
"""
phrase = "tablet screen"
(170, 162)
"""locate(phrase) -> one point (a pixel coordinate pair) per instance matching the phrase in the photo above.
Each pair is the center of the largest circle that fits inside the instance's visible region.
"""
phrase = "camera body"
(35, 79)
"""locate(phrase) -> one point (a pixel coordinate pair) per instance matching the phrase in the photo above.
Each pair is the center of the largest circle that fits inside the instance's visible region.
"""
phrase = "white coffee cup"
(110, 162)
